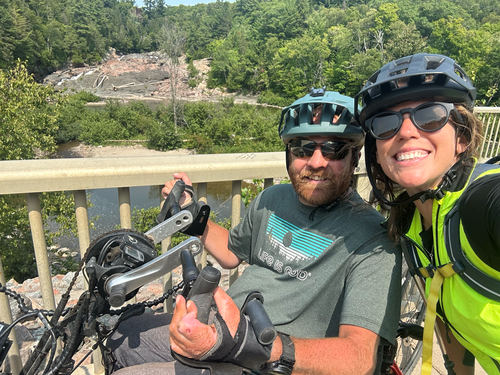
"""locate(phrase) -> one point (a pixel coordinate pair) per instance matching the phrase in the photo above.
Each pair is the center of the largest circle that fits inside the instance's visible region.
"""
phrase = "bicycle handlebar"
(203, 290)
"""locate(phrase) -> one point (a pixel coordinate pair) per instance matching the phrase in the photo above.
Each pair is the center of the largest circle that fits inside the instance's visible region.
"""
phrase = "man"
(316, 252)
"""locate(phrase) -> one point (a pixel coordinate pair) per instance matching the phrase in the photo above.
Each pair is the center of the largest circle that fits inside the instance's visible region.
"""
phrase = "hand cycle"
(115, 266)
(119, 262)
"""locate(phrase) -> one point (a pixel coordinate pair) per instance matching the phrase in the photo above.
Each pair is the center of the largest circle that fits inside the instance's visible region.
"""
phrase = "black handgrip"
(176, 193)
(262, 325)
(171, 205)
(189, 271)
(202, 291)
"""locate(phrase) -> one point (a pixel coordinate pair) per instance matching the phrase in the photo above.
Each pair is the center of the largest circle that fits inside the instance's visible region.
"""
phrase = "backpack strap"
(415, 265)
(459, 264)
(473, 276)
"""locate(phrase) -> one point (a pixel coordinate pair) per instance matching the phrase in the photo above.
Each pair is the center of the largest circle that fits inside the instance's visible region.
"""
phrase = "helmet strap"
(438, 193)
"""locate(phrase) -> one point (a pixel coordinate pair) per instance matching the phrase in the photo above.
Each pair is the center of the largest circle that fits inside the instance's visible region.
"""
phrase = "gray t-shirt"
(338, 268)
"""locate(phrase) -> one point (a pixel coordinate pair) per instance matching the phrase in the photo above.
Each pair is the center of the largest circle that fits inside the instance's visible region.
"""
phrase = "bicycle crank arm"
(172, 225)
(117, 287)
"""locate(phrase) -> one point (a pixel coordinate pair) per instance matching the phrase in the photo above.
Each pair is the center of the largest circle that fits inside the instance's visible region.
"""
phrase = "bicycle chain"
(25, 310)
(20, 301)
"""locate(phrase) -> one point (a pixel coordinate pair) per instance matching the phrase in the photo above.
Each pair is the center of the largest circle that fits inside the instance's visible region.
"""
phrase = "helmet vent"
(459, 72)
(373, 78)
(433, 62)
(428, 78)
(403, 61)
(374, 92)
(295, 114)
(397, 72)
(402, 82)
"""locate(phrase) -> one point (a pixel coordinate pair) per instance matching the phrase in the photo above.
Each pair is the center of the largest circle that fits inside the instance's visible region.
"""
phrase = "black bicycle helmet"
(414, 77)
(320, 113)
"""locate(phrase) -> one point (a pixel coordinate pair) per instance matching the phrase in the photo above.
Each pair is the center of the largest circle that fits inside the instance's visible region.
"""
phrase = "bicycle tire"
(409, 350)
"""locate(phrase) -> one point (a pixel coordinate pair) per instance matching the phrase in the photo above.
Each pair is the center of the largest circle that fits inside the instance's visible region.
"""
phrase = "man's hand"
(186, 197)
(191, 338)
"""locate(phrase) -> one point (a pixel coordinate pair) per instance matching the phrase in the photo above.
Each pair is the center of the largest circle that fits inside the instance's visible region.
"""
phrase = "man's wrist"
(284, 365)
(277, 349)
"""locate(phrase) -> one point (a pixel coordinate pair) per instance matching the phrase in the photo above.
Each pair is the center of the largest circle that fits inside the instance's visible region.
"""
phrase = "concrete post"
(14, 355)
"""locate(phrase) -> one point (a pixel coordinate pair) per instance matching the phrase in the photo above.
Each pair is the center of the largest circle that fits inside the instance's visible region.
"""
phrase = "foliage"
(273, 99)
(17, 253)
(96, 130)
(226, 127)
(114, 122)
(71, 115)
(163, 137)
(85, 97)
(28, 113)
(275, 47)
(249, 193)
(193, 72)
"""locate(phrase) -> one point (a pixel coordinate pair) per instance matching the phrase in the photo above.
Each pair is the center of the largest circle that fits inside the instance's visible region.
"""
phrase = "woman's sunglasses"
(428, 117)
(331, 150)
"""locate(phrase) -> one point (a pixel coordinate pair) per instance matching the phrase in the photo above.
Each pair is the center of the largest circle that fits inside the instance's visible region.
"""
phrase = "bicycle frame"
(108, 286)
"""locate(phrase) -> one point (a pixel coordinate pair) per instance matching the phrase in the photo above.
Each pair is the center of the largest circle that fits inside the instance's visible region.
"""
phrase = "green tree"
(29, 114)
(300, 65)
(387, 15)
(404, 40)
(282, 19)
(15, 33)
(171, 41)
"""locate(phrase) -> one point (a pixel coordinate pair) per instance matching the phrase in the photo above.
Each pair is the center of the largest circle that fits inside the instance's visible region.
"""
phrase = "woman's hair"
(469, 129)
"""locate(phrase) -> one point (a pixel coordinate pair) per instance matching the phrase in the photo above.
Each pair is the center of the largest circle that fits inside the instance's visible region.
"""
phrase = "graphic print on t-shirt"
(294, 243)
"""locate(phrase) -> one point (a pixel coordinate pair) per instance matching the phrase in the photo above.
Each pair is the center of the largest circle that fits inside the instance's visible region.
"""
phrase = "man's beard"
(315, 195)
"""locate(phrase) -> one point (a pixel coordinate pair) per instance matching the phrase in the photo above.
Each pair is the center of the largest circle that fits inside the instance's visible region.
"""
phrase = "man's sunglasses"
(428, 117)
(331, 150)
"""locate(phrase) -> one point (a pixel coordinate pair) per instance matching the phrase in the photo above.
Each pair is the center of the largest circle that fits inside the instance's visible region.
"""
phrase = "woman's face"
(415, 159)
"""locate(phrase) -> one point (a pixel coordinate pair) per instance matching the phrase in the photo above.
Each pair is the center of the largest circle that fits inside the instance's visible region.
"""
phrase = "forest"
(277, 49)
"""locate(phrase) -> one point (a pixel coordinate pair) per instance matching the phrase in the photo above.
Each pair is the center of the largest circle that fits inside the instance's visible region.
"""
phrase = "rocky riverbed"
(140, 76)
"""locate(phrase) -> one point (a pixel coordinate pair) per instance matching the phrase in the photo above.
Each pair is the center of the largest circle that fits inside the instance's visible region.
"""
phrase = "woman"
(421, 145)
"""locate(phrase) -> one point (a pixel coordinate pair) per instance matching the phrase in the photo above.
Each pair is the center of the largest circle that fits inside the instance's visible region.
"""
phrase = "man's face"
(317, 180)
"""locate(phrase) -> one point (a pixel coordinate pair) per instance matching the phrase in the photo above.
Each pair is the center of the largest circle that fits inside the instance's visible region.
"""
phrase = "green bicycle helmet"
(414, 77)
(320, 113)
